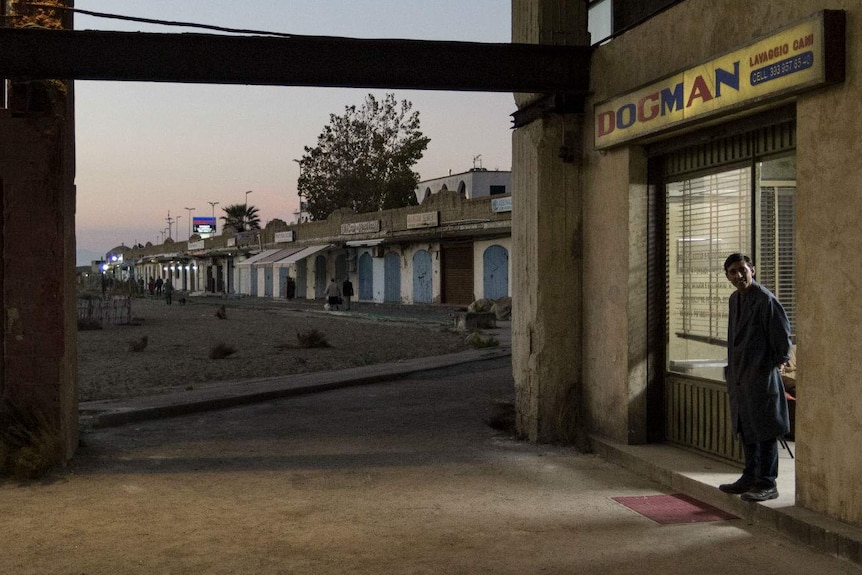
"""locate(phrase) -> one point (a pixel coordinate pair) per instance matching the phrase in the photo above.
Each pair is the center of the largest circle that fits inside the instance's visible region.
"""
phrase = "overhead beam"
(31, 53)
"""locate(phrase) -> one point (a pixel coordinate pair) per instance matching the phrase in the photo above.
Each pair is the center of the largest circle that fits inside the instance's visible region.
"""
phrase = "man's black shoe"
(764, 494)
(741, 485)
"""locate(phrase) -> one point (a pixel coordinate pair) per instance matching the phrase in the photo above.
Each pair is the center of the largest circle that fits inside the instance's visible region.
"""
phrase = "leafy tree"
(241, 217)
(364, 159)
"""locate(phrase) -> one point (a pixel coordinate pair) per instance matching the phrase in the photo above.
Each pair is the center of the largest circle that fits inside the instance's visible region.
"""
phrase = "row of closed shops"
(450, 264)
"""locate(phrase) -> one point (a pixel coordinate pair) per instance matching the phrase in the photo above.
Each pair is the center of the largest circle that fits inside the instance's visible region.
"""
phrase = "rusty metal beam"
(297, 61)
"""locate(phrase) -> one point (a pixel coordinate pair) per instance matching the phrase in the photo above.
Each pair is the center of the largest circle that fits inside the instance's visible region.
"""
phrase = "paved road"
(398, 477)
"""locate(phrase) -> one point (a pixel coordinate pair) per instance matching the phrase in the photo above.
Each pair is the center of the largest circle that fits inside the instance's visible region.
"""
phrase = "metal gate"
(495, 272)
(366, 277)
(252, 272)
(421, 277)
(392, 278)
(267, 281)
(458, 274)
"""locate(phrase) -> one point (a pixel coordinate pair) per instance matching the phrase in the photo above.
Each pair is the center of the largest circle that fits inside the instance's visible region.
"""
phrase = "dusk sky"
(146, 149)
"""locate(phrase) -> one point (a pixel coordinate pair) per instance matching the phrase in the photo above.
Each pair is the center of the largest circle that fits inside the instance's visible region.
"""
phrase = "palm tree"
(241, 217)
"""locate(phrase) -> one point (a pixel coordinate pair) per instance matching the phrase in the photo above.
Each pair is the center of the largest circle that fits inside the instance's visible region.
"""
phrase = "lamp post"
(213, 204)
(190, 210)
(246, 198)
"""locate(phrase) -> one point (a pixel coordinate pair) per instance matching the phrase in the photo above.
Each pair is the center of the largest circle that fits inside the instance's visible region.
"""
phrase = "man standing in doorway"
(758, 344)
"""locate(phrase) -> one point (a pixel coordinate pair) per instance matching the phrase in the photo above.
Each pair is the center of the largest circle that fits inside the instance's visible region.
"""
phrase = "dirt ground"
(264, 335)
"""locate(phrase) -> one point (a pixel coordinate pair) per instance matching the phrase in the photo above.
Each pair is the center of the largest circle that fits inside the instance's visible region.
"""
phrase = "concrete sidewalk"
(680, 470)
(220, 395)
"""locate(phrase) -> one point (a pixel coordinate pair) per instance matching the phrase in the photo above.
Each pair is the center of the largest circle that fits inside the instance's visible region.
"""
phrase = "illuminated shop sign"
(203, 225)
(803, 56)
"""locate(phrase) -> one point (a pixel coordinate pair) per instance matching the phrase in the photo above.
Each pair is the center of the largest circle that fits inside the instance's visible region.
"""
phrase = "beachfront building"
(448, 250)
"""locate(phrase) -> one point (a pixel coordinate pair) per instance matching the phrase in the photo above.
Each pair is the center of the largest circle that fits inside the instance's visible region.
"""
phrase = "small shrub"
(221, 351)
(311, 338)
(28, 443)
(476, 340)
(502, 417)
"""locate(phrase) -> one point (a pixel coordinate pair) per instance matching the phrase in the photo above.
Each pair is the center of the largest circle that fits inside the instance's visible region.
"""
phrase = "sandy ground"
(396, 478)
(264, 335)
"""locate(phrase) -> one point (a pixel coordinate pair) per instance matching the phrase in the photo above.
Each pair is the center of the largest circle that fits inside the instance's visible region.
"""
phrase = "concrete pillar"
(37, 161)
(546, 254)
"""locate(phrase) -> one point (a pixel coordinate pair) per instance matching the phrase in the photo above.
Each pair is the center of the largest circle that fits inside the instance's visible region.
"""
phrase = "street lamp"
(190, 210)
(246, 198)
(213, 204)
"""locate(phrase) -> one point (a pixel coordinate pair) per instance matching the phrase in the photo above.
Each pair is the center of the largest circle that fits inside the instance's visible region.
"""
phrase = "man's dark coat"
(758, 342)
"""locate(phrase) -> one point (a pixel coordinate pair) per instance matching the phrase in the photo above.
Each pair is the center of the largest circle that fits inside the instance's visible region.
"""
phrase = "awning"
(254, 258)
(271, 256)
(303, 253)
(363, 243)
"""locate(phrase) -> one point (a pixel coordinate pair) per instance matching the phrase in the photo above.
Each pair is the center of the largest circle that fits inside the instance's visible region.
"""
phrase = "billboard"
(203, 225)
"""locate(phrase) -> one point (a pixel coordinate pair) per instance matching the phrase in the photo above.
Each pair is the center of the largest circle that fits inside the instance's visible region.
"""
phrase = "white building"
(475, 183)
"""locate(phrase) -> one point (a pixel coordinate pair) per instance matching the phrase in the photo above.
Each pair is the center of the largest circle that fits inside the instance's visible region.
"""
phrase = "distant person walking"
(758, 345)
(159, 284)
(152, 286)
(333, 294)
(169, 291)
(347, 292)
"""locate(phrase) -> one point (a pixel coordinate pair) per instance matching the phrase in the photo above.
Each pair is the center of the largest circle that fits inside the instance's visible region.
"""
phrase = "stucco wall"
(829, 412)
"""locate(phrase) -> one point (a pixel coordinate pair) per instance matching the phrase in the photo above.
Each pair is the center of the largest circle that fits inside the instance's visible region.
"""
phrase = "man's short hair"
(737, 257)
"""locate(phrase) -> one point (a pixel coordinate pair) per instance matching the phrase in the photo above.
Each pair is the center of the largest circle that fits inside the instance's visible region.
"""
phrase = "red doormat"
(671, 509)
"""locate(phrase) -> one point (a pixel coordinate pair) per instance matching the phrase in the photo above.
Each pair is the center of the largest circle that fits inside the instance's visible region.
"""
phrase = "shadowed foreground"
(403, 477)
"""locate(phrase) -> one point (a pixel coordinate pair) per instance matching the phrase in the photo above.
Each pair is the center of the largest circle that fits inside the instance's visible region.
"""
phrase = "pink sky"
(146, 149)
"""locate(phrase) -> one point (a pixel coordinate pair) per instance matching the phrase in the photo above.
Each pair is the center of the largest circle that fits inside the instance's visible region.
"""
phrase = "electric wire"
(164, 22)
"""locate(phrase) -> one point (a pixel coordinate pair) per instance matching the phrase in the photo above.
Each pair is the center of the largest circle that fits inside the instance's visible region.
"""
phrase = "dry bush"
(311, 338)
(476, 340)
(28, 443)
(221, 351)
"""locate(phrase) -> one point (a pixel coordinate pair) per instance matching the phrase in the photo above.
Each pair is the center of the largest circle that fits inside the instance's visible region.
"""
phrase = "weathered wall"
(829, 290)
(37, 172)
(546, 261)
(829, 412)
(40, 329)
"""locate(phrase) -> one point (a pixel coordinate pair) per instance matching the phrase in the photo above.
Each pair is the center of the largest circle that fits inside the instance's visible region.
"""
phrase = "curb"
(112, 413)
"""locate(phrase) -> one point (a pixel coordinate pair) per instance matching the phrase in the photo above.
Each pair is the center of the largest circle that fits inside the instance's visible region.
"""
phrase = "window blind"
(709, 217)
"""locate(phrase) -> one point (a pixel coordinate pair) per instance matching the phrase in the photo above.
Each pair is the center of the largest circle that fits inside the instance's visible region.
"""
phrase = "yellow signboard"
(800, 57)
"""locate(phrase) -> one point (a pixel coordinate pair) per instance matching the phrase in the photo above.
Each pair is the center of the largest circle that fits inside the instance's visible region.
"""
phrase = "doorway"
(747, 205)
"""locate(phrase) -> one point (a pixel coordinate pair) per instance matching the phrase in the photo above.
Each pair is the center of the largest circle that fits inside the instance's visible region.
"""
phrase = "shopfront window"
(749, 209)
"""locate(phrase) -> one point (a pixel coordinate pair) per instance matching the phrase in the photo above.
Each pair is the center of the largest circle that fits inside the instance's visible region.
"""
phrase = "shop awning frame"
(303, 253)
